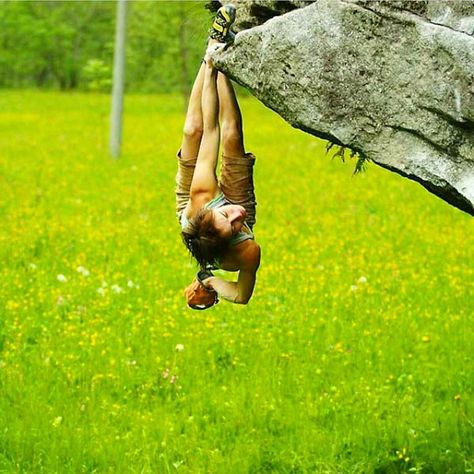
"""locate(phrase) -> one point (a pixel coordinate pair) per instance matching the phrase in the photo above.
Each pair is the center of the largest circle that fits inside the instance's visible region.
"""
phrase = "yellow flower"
(57, 421)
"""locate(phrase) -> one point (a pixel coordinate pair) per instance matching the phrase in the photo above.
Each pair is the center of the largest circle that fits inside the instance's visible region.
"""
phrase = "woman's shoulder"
(243, 256)
(249, 253)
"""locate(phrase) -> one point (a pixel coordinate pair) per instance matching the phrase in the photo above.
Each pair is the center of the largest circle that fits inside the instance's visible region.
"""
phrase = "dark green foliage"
(362, 160)
(46, 44)
(69, 45)
(361, 164)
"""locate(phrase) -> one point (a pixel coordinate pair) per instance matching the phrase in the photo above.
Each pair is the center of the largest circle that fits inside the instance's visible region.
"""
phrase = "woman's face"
(228, 220)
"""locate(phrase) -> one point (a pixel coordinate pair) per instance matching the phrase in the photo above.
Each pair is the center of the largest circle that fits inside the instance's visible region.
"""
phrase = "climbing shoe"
(220, 29)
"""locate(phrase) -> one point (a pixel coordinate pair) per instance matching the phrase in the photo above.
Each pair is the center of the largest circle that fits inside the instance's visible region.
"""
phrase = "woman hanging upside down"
(217, 217)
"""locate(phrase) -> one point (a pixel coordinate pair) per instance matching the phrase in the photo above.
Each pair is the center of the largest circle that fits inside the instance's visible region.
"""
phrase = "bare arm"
(204, 184)
(239, 291)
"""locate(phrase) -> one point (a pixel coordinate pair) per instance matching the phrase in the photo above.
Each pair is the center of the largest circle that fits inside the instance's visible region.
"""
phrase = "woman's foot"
(220, 30)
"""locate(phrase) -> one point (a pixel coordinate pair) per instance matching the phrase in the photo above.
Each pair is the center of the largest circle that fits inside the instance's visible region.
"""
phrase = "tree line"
(69, 45)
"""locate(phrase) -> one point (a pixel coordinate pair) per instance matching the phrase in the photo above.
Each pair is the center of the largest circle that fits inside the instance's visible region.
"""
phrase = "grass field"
(355, 354)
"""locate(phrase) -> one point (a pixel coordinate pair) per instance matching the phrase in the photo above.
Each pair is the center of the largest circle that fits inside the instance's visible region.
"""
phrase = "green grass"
(320, 373)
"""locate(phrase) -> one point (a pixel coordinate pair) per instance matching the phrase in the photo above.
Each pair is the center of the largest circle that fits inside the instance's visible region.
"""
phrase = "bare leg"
(192, 132)
(231, 119)
(193, 125)
(237, 167)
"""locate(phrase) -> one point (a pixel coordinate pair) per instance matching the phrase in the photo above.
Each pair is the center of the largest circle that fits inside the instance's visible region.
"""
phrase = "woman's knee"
(193, 129)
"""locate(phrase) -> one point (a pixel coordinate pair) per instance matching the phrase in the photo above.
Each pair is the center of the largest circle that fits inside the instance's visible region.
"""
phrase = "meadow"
(355, 354)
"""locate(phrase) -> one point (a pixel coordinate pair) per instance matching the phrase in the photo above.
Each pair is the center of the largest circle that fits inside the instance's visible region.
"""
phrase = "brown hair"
(202, 240)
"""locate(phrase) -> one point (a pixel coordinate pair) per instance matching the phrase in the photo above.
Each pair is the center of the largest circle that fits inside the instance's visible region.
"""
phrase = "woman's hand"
(208, 282)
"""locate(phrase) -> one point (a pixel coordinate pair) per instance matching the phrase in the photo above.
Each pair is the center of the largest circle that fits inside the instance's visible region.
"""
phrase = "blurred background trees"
(69, 45)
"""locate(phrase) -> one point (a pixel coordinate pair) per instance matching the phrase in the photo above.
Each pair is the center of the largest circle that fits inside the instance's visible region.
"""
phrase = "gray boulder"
(393, 81)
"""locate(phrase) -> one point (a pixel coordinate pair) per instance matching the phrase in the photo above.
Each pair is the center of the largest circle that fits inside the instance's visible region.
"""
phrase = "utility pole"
(118, 79)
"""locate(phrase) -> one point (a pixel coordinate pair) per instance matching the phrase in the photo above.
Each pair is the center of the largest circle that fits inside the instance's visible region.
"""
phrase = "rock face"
(393, 81)
(255, 12)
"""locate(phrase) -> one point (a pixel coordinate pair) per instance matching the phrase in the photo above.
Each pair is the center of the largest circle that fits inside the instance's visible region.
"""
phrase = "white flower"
(32, 266)
(83, 271)
(130, 284)
(60, 301)
(179, 347)
(116, 289)
(362, 280)
(101, 291)
(353, 288)
(104, 284)
(61, 278)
